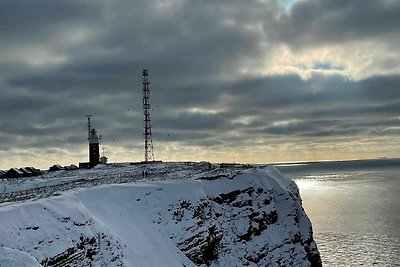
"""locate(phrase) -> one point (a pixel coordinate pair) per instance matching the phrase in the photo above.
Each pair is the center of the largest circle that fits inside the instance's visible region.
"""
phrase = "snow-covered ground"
(180, 214)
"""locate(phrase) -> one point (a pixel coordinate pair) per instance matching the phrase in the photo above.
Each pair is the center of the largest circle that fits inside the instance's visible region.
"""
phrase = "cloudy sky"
(231, 80)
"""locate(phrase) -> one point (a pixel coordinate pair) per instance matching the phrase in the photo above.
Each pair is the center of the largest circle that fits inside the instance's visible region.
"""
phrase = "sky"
(231, 81)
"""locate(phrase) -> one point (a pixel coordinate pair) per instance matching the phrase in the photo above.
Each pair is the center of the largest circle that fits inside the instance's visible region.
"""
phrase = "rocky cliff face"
(203, 217)
(252, 219)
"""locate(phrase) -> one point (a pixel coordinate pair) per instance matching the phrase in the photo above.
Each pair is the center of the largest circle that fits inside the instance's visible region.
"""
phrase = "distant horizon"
(241, 163)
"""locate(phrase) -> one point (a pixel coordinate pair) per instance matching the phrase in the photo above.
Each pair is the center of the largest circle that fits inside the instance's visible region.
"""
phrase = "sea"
(354, 207)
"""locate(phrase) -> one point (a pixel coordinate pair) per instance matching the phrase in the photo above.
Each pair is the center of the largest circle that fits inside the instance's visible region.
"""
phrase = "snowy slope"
(192, 215)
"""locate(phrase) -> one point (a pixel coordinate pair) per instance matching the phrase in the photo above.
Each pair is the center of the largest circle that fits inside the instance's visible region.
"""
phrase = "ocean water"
(354, 208)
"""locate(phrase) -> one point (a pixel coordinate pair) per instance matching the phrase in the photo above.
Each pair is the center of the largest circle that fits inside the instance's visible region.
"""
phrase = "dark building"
(56, 167)
(71, 167)
(14, 173)
(84, 165)
(34, 171)
(26, 172)
(94, 148)
(94, 151)
(2, 173)
(21, 172)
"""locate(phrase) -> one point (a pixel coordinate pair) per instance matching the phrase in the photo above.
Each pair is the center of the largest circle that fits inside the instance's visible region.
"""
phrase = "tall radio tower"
(148, 141)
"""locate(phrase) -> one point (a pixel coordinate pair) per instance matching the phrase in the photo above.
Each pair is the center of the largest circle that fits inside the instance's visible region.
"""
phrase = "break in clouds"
(245, 81)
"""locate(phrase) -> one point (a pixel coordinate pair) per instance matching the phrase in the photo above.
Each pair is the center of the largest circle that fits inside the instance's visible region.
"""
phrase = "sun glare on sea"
(305, 184)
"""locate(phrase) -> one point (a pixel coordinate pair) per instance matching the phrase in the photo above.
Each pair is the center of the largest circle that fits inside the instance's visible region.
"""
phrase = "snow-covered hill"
(190, 215)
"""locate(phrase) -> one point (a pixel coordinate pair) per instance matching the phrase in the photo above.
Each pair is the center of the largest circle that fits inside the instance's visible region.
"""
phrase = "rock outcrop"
(252, 219)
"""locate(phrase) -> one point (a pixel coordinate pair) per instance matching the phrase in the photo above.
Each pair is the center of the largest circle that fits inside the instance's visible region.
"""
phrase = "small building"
(20, 172)
(27, 172)
(14, 173)
(34, 171)
(56, 167)
(84, 165)
(71, 167)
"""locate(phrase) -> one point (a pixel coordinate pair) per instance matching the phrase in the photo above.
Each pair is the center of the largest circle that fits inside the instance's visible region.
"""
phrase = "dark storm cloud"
(27, 102)
(201, 56)
(30, 23)
(292, 94)
(315, 22)
(337, 107)
(383, 88)
(182, 122)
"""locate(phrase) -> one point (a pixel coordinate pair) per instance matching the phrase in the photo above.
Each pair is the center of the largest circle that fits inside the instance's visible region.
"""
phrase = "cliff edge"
(198, 215)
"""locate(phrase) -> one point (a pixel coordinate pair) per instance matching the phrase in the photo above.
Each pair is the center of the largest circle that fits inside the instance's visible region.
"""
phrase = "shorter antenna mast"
(88, 117)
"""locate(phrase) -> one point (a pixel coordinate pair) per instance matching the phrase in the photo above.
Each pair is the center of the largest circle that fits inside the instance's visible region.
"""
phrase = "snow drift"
(249, 217)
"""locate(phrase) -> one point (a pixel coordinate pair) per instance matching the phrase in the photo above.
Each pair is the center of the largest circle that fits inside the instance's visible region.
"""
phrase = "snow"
(160, 220)
(12, 257)
(131, 221)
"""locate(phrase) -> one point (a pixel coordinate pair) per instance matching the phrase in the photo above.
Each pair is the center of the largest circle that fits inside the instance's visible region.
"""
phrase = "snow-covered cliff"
(211, 217)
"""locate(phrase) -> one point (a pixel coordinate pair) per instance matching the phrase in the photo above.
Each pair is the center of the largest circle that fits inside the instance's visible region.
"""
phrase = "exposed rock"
(259, 225)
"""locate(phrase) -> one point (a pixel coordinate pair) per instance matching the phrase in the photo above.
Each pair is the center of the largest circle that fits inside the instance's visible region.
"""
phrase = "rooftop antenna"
(101, 144)
(103, 159)
(88, 118)
(148, 141)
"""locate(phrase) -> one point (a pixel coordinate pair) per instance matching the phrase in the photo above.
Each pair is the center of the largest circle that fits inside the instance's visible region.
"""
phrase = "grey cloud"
(312, 128)
(41, 13)
(311, 23)
(292, 129)
(30, 23)
(390, 131)
(383, 88)
(192, 122)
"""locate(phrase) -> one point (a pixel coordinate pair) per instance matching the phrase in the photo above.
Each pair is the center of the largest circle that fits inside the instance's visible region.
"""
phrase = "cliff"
(197, 215)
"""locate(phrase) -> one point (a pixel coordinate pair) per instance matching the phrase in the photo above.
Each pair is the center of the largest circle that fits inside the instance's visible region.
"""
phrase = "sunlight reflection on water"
(358, 249)
(355, 214)
(304, 184)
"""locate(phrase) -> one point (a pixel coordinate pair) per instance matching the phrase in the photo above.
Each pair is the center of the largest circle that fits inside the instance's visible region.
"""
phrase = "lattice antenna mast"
(148, 141)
